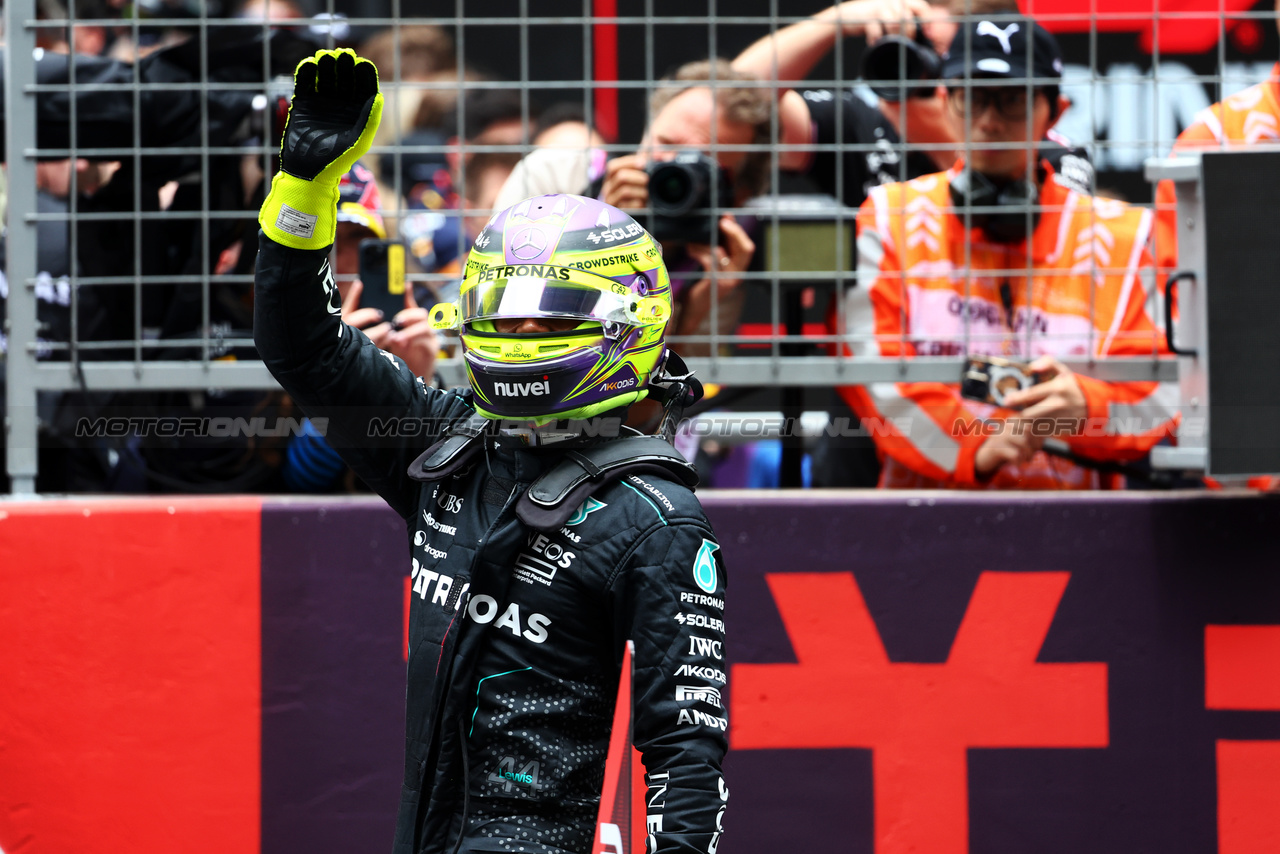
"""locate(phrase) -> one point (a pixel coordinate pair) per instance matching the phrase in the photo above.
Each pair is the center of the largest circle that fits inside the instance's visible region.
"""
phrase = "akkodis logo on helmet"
(704, 567)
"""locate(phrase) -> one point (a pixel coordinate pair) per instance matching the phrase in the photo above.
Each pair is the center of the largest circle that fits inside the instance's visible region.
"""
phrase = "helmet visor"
(528, 296)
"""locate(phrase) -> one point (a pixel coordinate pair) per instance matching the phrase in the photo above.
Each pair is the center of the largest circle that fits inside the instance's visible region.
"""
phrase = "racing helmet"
(571, 258)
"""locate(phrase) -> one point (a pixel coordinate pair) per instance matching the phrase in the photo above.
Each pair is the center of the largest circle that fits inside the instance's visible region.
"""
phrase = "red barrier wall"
(129, 669)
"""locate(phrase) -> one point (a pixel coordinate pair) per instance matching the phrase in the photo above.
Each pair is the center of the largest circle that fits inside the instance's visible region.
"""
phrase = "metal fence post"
(20, 139)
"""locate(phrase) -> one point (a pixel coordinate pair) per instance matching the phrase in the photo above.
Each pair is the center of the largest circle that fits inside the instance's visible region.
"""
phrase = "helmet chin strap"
(676, 388)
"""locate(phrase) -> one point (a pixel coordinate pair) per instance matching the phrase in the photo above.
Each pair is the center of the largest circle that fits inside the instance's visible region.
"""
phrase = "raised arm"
(375, 412)
(788, 55)
(792, 52)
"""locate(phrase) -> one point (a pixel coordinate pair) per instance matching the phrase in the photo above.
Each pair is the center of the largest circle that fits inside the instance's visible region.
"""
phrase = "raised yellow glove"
(334, 115)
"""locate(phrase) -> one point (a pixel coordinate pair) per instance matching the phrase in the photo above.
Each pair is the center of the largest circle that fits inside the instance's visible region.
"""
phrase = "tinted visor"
(525, 296)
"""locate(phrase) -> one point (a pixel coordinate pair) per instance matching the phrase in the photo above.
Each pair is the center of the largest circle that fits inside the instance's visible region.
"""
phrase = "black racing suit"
(516, 637)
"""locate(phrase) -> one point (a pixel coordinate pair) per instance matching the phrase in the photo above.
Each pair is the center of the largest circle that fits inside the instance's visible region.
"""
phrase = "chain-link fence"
(140, 137)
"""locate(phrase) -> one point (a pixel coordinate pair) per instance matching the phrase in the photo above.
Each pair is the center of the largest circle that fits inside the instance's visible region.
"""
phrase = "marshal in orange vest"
(1083, 288)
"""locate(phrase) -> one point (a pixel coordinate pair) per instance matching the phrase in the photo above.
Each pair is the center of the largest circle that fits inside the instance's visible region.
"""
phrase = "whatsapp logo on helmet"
(564, 258)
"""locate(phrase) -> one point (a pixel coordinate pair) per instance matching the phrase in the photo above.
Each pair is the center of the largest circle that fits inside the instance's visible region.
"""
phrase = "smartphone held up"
(382, 275)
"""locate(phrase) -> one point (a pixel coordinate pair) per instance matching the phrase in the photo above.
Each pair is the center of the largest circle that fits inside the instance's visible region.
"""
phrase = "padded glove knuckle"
(334, 115)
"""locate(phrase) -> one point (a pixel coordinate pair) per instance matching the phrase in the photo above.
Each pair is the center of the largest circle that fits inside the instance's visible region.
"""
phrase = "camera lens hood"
(674, 188)
(893, 60)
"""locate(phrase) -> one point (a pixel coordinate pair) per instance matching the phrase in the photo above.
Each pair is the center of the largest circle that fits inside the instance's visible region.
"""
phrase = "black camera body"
(893, 60)
(682, 193)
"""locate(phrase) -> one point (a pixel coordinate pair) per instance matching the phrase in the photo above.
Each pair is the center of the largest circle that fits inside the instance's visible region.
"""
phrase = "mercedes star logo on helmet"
(529, 243)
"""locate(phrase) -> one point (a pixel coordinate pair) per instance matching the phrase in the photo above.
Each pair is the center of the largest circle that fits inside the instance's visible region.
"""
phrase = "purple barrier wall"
(941, 674)
(332, 675)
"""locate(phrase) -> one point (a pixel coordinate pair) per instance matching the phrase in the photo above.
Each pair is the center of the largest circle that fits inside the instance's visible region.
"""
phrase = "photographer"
(875, 154)
(941, 287)
(815, 117)
(699, 108)
(921, 124)
(896, 140)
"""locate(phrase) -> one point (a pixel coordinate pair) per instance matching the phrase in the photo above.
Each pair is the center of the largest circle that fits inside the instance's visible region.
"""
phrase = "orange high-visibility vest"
(1249, 117)
(926, 287)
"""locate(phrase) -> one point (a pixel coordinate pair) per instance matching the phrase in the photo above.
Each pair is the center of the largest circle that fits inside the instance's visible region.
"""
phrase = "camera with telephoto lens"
(682, 193)
(894, 60)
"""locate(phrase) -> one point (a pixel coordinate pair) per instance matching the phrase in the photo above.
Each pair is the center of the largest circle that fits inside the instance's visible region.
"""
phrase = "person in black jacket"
(865, 145)
(543, 536)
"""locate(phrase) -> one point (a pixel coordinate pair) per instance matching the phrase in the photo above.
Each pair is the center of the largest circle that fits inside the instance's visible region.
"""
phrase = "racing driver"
(541, 540)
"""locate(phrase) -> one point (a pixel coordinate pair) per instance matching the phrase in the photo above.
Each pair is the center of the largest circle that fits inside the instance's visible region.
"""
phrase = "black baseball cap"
(1007, 46)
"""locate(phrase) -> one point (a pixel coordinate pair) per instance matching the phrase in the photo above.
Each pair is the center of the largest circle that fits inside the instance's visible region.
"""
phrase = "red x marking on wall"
(1242, 672)
(919, 719)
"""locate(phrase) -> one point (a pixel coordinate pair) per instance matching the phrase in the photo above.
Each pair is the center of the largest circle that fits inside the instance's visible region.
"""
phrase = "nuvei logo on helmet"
(537, 389)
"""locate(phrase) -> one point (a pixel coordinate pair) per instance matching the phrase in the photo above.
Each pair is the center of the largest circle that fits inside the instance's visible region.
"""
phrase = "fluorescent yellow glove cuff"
(300, 214)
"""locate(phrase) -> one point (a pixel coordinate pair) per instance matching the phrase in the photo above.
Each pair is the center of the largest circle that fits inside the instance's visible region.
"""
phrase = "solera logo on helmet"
(619, 385)
(522, 389)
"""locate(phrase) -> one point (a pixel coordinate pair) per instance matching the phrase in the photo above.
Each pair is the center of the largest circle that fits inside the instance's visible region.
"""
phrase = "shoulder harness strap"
(462, 441)
(559, 491)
